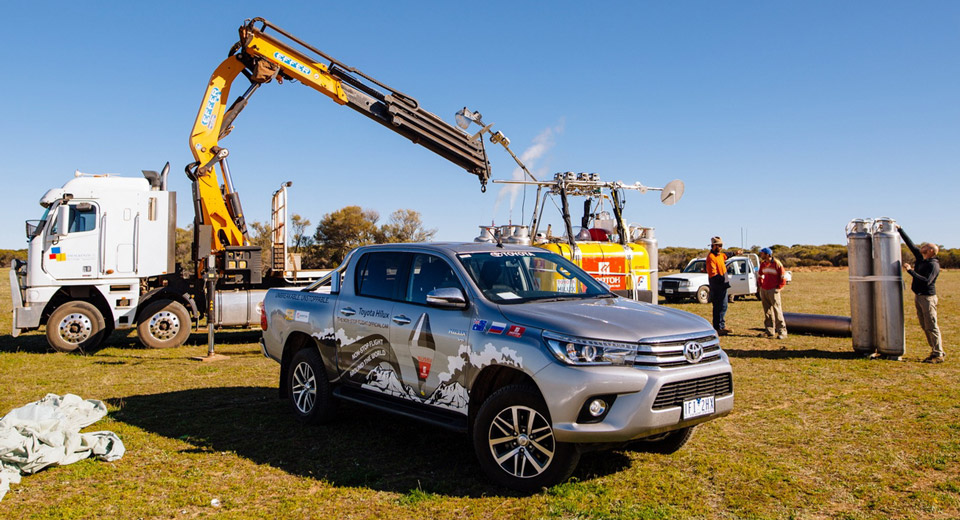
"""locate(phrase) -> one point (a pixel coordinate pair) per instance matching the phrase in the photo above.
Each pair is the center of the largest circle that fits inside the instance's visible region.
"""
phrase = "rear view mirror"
(447, 297)
(63, 220)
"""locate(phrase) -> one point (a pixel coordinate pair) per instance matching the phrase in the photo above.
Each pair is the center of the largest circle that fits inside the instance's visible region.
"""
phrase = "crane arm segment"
(262, 56)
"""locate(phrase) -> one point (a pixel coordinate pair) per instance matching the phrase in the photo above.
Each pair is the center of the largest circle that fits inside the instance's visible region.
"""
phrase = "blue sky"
(784, 119)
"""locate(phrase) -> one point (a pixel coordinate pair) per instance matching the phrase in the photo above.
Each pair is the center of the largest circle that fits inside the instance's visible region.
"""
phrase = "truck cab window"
(429, 272)
(83, 217)
(380, 275)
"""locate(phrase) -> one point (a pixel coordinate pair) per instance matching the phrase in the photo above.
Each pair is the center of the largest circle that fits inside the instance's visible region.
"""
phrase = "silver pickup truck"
(516, 346)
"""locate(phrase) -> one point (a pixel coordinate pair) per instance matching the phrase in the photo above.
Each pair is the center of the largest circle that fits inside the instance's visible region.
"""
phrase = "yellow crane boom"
(262, 56)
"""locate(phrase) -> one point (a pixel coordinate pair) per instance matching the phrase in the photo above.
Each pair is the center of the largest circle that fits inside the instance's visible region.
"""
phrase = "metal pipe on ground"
(824, 324)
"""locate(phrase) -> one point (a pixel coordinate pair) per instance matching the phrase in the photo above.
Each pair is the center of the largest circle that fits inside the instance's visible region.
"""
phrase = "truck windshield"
(522, 276)
(35, 227)
(698, 266)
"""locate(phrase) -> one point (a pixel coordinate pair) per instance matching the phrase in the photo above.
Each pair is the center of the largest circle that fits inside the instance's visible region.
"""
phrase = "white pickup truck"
(692, 281)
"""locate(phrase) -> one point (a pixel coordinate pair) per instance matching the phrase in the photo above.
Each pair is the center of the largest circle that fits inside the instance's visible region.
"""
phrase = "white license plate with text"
(698, 407)
(668, 291)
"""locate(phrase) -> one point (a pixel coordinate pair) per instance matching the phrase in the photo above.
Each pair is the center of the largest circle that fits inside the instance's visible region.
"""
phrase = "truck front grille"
(669, 352)
(674, 394)
(670, 284)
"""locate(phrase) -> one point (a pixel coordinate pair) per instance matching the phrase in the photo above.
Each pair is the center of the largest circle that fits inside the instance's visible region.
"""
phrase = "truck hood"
(615, 319)
(686, 276)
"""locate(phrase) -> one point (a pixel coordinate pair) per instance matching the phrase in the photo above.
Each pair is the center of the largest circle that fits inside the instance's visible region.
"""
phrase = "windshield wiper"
(557, 298)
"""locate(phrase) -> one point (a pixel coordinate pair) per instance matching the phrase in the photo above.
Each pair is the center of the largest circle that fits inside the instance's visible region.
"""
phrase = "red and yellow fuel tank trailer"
(621, 256)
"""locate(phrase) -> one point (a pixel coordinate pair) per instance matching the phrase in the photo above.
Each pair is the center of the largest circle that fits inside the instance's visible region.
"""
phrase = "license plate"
(668, 291)
(698, 407)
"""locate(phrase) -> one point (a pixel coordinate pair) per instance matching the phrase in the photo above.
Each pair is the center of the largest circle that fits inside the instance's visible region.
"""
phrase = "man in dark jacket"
(924, 275)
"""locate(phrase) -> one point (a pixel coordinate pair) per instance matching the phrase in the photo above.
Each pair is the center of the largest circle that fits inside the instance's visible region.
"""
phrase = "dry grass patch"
(817, 432)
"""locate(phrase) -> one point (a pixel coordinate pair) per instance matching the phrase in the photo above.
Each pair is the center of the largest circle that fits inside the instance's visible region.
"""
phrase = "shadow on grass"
(361, 447)
(25, 343)
(36, 342)
(774, 352)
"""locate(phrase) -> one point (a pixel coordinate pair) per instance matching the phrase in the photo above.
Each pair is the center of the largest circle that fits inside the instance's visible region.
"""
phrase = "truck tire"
(703, 294)
(164, 324)
(311, 395)
(75, 325)
(667, 444)
(511, 452)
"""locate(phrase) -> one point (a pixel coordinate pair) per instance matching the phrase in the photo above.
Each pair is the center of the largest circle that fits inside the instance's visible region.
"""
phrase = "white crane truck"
(102, 257)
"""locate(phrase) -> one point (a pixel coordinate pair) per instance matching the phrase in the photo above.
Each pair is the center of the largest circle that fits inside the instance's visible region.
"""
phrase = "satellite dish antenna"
(672, 192)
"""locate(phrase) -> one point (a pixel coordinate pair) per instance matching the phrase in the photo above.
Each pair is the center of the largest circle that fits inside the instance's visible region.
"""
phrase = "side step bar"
(444, 419)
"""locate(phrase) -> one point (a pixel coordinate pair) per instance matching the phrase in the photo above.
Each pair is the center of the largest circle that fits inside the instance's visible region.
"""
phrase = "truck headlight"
(684, 283)
(584, 351)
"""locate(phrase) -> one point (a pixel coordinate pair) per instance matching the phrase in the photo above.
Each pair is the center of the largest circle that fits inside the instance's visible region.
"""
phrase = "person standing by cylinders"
(717, 279)
(924, 275)
(772, 281)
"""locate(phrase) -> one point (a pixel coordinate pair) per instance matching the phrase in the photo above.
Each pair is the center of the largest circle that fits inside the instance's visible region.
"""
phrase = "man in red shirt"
(771, 282)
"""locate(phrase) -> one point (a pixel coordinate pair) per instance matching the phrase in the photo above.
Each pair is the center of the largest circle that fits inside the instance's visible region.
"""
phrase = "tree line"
(797, 255)
(324, 246)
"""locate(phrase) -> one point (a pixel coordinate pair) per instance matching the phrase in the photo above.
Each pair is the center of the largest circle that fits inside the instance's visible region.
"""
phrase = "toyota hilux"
(515, 346)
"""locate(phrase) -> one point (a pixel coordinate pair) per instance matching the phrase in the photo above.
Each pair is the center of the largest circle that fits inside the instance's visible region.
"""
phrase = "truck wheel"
(74, 325)
(164, 324)
(703, 294)
(309, 390)
(515, 444)
(667, 444)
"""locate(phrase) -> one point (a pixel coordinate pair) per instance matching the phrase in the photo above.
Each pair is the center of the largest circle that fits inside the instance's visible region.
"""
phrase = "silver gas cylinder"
(860, 263)
(888, 288)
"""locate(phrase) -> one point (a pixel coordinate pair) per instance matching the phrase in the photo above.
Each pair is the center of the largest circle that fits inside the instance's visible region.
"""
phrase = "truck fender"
(298, 341)
(168, 294)
(92, 295)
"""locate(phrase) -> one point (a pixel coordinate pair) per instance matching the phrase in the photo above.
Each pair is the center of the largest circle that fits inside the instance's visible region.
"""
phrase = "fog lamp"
(597, 407)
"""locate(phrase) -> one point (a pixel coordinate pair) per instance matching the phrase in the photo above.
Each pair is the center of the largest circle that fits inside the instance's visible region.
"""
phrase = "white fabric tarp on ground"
(47, 432)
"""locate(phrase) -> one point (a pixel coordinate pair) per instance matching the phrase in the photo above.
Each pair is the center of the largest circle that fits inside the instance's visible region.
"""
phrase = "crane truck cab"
(100, 237)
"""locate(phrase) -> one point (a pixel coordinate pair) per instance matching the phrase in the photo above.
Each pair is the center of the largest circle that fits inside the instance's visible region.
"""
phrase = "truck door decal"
(422, 349)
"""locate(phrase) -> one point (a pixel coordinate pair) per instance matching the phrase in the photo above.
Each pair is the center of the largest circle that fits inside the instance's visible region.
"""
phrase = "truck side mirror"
(447, 297)
(63, 220)
(335, 282)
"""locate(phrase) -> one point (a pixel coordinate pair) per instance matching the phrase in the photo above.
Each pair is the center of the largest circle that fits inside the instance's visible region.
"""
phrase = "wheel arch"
(163, 293)
(294, 343)
(86, 293)
(491, 379)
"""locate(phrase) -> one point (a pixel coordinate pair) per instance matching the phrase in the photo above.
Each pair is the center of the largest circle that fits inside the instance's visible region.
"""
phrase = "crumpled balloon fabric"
(47, 432)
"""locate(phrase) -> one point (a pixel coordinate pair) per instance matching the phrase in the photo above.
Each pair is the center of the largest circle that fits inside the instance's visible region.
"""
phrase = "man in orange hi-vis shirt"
(717, 277)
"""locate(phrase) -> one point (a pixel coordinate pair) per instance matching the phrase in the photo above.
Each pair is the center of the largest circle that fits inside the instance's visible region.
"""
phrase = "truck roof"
(453, 247)
(95, 186)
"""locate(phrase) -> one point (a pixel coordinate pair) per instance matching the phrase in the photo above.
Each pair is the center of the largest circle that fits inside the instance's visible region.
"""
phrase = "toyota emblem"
(693, 351)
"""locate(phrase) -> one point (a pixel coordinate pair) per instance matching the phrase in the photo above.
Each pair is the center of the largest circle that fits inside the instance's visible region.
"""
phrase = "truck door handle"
(347, 311)
(401, 319)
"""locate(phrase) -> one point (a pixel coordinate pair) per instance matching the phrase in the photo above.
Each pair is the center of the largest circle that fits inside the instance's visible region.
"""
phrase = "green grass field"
(817, 432)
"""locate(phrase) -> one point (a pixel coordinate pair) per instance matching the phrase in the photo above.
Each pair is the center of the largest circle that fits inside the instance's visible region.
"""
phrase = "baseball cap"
(767, 250)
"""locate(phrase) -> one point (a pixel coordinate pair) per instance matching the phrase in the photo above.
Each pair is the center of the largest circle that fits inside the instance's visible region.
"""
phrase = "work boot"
(782, 335)
(724, 332)
(933, 358)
